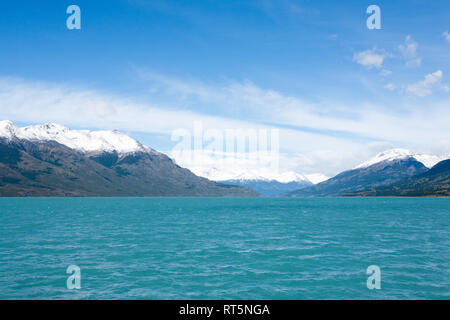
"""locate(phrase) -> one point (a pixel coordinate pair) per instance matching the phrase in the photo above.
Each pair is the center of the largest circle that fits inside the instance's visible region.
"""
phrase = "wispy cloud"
(322, 137)
(358, 120)
(446, 36)
(424, 88)
(37, 102)
(390, 87)
(370, 58)
(409, 52)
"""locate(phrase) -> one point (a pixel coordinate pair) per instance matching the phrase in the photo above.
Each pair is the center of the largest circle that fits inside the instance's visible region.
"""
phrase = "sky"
(334, 91)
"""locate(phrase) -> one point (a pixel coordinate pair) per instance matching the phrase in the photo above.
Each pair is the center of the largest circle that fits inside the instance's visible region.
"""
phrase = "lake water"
(224, 248)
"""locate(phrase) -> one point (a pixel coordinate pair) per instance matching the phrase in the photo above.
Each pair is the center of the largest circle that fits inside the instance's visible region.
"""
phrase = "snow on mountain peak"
(5, 123)
(316, 178)
(291, 176)
(284, 177)
(238, 173)
(428, 160)
(81, 140)
(401, 154)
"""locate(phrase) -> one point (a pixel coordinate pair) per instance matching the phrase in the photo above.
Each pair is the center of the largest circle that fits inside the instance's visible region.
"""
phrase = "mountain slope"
(383, 173)
(51, 160)
(434, 182)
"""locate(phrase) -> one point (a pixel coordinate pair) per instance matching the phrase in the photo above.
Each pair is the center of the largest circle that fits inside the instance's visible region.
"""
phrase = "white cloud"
(390, 87)
(38, 102)
(324, 137)
(414, 62)
(424, 88)
(409, 52)
(400, 124)
(370, 58)
(446, 36)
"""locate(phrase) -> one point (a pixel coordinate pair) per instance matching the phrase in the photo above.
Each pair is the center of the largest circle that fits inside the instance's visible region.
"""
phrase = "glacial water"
(224, 248)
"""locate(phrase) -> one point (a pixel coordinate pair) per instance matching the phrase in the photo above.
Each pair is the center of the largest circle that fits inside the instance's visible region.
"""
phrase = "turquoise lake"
(224, 248)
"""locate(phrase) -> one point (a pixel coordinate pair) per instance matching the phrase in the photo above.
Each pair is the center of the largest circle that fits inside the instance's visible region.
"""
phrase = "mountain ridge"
(382, 172)
(33, 164)
(379, 174)
(81, 140)
(434, 182)
(398, 154)
(51, 159)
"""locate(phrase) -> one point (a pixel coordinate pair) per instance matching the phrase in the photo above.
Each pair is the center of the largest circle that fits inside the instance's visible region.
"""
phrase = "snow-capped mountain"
(236, 173)
(316, 178)
(385, 169)
(265, 181)
(81, 140)
(52, 160)
(434, 182)
(270, 184)
(284, 177)
(401, 154)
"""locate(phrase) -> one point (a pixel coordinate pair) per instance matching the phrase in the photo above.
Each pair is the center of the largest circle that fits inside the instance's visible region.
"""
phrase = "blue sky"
(337, 91)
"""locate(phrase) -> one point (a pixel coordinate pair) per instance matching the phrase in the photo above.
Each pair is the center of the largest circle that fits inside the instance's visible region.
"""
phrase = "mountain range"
(52, 160)
(396, 172)
(270, 187)
(266, 181)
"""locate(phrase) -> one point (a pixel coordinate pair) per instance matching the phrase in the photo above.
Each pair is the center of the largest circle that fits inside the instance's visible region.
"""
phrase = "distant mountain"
(270, 184)
(434, 182)
(259, 175)
(270, 188)
(385, 169)
(52, 160)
